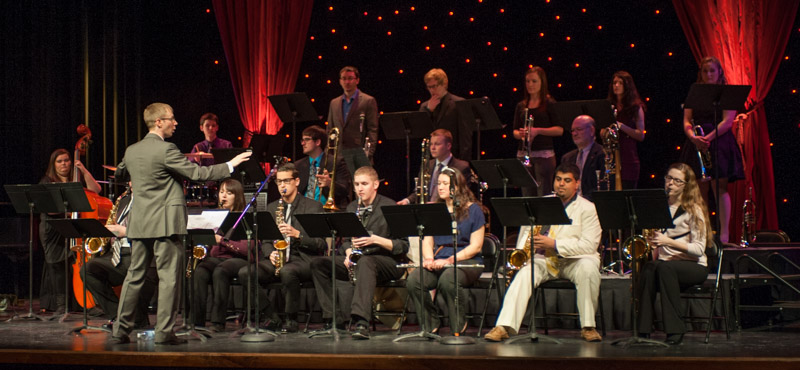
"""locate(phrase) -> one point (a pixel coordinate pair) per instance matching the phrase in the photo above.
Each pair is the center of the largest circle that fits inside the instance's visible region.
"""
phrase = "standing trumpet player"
(679, 258)
(298, 252)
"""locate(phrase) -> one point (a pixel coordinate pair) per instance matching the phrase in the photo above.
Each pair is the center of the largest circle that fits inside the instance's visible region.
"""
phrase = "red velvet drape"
(749, 37)
(263, 41)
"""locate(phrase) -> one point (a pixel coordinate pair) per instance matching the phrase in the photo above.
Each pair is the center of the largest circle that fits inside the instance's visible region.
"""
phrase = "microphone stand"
(456, 338)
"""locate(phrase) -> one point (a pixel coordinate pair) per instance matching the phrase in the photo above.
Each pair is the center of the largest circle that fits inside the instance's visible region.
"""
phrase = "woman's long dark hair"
(463, 195)
(544, 93)
(235, 187)
(51, 166)
(630, 96)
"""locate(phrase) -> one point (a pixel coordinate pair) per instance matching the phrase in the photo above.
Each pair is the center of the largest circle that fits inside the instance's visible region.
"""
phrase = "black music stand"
(601, 110)
(248, 172)
(323, 225)
(293, 108)
(84, 228)
(68, 197)
(195, 237)
(23, 202)
(480, 111)
(244, 225)
(406, 125)
(418, 220)
(634, 209)
(713, 97)
(531, 211)
(502, 173)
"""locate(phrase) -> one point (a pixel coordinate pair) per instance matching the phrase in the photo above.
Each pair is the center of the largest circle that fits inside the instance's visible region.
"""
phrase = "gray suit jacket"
(447, 117)
(350, 126)
(156, 169)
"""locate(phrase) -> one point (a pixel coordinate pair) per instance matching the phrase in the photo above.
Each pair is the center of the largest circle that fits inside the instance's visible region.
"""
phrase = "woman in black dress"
(718, 140)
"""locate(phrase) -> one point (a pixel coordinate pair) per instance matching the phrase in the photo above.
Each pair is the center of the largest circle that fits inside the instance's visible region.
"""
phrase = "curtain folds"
(749, 37)
(263, 41)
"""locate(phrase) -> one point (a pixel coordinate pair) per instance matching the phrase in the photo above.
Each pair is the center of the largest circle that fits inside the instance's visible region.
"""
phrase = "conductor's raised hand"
(241, 158)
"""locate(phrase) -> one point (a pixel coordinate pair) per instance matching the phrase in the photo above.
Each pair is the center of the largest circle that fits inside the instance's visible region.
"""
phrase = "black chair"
(564, 284)
(706, 292)
(771, 236)
(492, 263)
(394, 284)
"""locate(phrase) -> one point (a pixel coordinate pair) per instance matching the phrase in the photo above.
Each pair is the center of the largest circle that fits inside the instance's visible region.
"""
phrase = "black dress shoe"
(173, 341)
(121, 340)
(674, 339)
(362, 331)
(217, 327)
(644, 335)
(290, 326)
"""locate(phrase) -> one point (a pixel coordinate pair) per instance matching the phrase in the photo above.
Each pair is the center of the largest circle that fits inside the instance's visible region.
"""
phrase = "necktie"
(312, 180)
(434, 195)
(582, 159)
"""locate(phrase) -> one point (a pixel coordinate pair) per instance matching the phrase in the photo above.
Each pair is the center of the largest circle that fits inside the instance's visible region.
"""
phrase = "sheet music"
(208, 219)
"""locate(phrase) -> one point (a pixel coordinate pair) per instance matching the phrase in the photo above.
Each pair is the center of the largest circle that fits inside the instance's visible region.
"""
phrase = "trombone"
(333, 145)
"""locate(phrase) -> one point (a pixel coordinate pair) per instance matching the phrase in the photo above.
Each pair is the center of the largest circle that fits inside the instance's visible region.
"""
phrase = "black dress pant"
(102, 276)
(371, 270)
(669, 278)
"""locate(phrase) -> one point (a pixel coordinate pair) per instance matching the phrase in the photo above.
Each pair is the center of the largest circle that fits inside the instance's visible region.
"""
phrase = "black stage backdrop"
(99, 62)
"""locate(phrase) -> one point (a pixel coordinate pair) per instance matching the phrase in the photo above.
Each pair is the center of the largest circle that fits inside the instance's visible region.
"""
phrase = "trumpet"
(748, 221)
(199, 252)
(280, 245)
(525, 153)
(333, 145)
(519, 257)
(703, 156)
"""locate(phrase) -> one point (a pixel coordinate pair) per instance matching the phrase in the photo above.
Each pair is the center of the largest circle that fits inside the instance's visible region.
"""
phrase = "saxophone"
(97, 246)
(280, 245)
(519, 257)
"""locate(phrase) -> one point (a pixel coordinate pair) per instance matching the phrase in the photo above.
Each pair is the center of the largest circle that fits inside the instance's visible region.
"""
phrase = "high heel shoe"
(674, 339)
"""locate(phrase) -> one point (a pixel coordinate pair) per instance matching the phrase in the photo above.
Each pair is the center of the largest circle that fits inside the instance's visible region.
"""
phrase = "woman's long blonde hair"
(692, 200)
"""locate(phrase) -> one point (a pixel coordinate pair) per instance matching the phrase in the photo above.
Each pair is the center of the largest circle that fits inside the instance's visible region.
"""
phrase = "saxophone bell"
(519, 257)
(281, 244)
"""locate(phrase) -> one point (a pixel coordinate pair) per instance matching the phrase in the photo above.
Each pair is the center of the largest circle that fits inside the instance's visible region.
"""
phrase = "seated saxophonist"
(289, 259)
(104, 272)
(377, 264)
(560, 251)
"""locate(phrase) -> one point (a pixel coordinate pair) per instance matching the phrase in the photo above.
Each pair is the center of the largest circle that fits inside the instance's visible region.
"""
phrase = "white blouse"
(689, 232)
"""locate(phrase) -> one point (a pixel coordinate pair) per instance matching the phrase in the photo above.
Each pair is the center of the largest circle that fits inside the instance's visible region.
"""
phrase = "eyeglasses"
(678, 182)
(167, 118)
(284, 181)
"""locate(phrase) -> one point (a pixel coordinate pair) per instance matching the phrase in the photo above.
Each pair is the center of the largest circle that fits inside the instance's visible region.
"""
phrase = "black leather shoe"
(174, 340)
(674, 339)
(362, 331)
(290, 326)
(121, 340)
(328, 326)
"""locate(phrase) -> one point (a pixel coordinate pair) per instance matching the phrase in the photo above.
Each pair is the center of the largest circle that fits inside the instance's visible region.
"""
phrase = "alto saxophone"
(519, 257)
(280, 245)
(97, 246)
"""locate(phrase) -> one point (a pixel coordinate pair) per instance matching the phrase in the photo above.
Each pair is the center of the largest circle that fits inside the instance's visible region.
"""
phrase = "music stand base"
(259, 337)
(632, 341)
(457, 340)
(335, 333)
(420, 334)
(28, 316)
(81, 328)
(61, 318)
(192, 334)
(533, 337)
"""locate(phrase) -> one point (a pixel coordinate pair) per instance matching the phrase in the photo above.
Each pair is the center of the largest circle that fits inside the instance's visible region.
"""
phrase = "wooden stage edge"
(114, 359)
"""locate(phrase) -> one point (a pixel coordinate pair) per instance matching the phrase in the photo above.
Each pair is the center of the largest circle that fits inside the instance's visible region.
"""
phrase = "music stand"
(323, 225)
(418, 220)
(531, 211)
(713, 97)
(195, 237)
(293, 108)
(240, 226)
(634, 209)
(248, 170)
(502, 173)
(84, 228)
(24, 203)
(68, 197)
(406, 125)
(480, 111)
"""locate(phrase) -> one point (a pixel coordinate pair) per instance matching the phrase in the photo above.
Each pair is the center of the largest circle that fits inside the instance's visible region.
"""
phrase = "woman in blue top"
(437, 252)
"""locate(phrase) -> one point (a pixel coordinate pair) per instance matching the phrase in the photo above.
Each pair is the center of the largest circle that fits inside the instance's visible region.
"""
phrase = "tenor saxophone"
(519, 257)
(97, 246)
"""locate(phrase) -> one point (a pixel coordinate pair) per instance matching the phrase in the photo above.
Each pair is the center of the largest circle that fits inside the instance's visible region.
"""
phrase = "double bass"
(101, 209)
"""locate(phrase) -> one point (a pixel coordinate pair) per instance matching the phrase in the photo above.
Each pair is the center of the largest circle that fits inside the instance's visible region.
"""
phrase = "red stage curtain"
(263, 41)
(749, 37)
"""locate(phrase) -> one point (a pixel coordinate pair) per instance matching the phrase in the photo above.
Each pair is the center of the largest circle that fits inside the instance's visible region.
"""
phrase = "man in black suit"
(378, 263)
(442, 108)
(313, 184)
(440, 145)
(355, 113)
(589, 156)
(299, 251)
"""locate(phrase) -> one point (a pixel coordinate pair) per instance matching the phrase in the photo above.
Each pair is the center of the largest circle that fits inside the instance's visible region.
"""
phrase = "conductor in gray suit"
(158, 219)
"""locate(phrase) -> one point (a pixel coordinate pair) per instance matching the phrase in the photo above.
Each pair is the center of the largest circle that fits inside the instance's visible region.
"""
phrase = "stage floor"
(37, 344)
